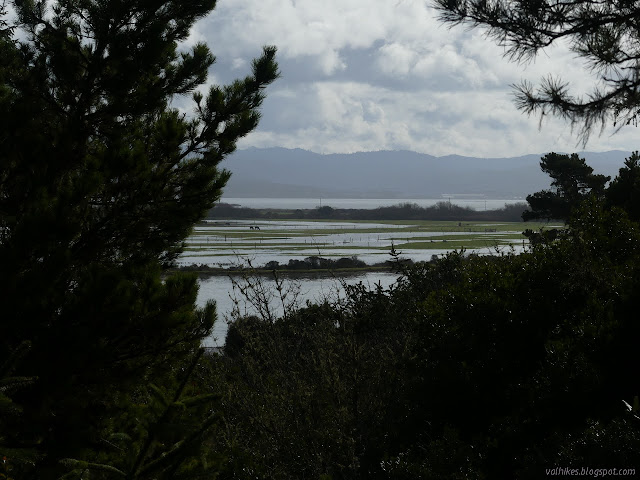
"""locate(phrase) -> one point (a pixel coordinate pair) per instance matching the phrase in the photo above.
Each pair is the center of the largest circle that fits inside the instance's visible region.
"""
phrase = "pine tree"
(572, 181)
(163, 436)
(101, 181)
(606, 34)
(624, 190)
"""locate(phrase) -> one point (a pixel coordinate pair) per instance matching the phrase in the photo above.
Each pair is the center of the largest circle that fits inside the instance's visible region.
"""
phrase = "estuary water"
(299, 289)
(228, 243)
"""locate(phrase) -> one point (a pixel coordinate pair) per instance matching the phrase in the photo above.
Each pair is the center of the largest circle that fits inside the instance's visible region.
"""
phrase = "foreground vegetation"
(480, 367)
(469, 367)
(100, 182)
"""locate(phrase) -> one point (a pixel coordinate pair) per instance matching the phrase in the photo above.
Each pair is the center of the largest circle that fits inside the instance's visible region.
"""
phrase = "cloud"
(360, 75)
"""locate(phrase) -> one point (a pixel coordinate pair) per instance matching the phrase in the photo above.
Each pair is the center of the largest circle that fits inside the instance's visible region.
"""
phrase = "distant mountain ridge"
(296, 173)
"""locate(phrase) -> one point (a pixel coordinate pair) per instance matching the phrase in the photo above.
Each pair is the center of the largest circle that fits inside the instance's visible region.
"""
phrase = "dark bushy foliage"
(101, 180)
(469, 367)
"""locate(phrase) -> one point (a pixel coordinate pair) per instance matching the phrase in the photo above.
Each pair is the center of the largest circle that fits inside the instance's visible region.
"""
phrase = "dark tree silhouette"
(572, 181)
(624, 190)
(101, 180)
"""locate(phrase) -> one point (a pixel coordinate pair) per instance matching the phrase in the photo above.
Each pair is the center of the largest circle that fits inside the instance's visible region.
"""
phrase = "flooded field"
(228, 243)
(235, 243)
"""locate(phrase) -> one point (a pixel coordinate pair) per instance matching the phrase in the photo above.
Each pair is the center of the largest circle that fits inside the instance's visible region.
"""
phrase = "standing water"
(313, 288)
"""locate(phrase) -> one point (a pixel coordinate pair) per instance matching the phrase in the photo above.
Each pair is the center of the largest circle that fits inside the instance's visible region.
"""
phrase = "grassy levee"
(205, 271)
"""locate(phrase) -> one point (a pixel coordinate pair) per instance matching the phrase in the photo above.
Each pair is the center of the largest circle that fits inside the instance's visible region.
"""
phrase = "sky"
(368, 75)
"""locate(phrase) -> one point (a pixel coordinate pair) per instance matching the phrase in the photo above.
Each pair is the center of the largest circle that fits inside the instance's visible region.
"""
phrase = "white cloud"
(396, 59)
(239, 63)
(362, 75)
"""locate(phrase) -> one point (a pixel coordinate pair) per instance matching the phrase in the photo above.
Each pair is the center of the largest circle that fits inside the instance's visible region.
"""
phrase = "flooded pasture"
(224, 244)
(237, 243)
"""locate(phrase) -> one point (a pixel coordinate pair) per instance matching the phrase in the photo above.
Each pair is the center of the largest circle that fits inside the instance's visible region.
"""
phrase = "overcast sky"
(363, 75)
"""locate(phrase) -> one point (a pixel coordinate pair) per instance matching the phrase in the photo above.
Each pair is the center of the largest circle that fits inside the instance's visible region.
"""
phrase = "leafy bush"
(468, 367)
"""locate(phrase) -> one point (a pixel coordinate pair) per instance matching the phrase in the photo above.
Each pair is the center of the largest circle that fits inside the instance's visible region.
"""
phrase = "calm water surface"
(227, 243)
(314, 288)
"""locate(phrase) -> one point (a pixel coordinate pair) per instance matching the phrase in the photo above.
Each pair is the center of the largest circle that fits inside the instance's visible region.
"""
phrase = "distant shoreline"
(231, 271)
(300, 267)
(424, 220)
(441, 211)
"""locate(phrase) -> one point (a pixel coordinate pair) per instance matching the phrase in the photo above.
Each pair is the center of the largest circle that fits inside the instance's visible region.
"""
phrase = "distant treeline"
(309, 263)
(404, 211)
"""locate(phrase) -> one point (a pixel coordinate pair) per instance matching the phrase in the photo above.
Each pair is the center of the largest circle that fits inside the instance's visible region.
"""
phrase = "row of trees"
(313, 262)
(573, 181)
(442, 211)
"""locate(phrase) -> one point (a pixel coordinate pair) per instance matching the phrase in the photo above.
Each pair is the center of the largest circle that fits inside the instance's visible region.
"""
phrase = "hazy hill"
(281, 172)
